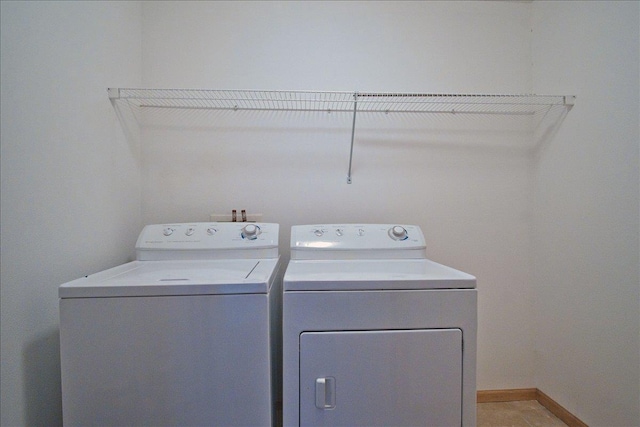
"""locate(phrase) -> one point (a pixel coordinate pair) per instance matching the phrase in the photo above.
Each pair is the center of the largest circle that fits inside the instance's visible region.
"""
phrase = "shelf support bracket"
(353, 132)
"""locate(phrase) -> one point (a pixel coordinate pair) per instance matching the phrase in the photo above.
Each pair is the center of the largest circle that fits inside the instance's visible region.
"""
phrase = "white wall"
(468, 187)
(70, 179)
(587, 283)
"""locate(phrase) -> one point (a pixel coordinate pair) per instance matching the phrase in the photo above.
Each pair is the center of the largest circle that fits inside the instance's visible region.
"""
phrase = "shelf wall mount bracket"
(569, 101)
(114, 93)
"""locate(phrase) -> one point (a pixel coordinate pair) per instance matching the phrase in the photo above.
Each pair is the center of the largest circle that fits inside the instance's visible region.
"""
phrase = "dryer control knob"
(250, 231)
(167, 231)
(398, 233)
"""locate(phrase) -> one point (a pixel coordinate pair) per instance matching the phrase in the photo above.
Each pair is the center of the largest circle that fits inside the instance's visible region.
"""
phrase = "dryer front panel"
(381, 378)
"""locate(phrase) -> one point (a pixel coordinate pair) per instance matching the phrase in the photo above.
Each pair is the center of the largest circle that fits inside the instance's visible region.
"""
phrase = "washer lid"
(394, 274)
(164, 278)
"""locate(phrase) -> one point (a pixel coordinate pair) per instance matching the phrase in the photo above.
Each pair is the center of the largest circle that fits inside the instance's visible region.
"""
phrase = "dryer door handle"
(325, 393)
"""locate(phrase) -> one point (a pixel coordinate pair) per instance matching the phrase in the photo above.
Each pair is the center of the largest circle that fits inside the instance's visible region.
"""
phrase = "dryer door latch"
(325, 393)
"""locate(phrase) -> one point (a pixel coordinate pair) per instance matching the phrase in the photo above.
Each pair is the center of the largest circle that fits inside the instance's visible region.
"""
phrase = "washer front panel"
(170, 361)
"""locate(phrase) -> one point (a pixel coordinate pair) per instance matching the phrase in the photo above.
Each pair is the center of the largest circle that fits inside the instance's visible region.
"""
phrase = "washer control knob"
(339, 232)
(318, 232)
(398, 233)
(190, 231)
(168, 231)
(211, 231)
(250, 231)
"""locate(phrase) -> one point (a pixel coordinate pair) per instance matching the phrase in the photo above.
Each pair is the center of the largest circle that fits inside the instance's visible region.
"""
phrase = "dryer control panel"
(207, 240)
(357, 241)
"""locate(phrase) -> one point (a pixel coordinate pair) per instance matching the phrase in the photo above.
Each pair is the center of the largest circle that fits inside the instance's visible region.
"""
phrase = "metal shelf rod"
(353, 132)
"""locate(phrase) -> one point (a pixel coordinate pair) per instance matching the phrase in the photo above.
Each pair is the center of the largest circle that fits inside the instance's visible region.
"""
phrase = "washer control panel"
(214, 238)
(339, 241)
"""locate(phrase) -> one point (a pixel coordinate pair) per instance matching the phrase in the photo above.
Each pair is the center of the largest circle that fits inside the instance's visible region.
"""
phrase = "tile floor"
(527, 413)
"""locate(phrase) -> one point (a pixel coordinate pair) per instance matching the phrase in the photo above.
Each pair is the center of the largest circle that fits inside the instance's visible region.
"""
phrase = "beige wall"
(587, 283)
(70, 180)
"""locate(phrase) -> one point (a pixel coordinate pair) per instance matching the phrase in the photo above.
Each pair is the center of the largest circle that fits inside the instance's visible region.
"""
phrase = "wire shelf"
(239, 99)
(376, 102)
(533, 108)
(457, 103)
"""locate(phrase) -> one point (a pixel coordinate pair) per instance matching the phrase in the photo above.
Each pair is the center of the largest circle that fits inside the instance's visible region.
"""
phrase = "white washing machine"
(181, 336)
(375, 334)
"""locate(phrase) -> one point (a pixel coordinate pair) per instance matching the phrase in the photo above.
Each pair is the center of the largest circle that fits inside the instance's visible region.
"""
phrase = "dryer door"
(381, 378)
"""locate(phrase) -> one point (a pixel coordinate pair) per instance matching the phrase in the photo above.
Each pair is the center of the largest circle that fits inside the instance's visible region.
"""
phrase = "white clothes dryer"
(181, 336)
(374, 333)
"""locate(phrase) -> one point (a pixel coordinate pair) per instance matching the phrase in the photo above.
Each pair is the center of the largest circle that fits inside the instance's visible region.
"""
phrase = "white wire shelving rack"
(345, 102)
